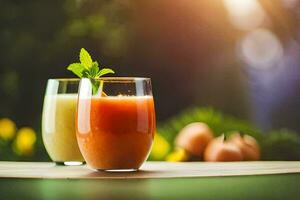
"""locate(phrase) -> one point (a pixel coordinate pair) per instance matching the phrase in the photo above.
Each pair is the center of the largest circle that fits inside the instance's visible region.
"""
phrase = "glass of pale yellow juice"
(58, 121)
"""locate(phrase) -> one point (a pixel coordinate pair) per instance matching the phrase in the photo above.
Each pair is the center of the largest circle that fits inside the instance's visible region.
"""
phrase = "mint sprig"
(87, 68)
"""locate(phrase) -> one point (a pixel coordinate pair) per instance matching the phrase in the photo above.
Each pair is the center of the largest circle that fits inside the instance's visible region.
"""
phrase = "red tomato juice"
(115, 132)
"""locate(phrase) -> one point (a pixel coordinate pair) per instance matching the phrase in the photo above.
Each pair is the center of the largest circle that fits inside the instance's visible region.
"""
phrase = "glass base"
(117, 170)
(70, 163)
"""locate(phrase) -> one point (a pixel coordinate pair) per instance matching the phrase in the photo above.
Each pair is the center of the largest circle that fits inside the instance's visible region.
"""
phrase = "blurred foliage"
(38, 39)
(36, 43)
(281, 145)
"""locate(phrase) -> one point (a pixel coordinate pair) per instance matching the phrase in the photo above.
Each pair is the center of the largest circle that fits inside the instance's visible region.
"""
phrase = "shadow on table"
(124, 175)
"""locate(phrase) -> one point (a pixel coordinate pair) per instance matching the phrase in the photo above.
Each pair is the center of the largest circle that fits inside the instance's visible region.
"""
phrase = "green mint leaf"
(86, 74)
(94, 71)
(95, 63)
(77, 69)
(85, 58)
(95, 86)
(105, 71)
(89, 69)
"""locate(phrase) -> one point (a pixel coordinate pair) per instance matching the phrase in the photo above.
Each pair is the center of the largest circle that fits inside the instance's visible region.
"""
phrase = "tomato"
(194, 138)
(248, 146)
(219, 150)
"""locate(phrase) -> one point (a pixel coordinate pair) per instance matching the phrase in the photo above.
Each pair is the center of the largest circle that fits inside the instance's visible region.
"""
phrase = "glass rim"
(121, 79)
(106, 79)
(64, 79)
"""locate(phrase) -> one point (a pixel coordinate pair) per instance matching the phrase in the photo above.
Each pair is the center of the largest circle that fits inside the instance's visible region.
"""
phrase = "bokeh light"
(260, 49)
(245, 14)
(290, 3)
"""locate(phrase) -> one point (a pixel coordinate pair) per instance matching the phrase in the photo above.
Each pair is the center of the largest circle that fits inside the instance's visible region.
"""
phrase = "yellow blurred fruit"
(179, 155)
(160, 148)
(25, 140)
(7, 129)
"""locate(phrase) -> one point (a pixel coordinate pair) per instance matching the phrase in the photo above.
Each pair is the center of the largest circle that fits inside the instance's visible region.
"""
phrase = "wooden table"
(155, 180)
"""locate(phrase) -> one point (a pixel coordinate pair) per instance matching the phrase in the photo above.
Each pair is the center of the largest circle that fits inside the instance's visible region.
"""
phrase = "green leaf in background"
(281, 144)
(105, 71)
(77, 69)
(85, 58)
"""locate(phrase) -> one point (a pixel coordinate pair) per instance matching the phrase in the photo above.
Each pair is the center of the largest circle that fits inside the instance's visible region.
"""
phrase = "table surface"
(156, 180)
(148, 170)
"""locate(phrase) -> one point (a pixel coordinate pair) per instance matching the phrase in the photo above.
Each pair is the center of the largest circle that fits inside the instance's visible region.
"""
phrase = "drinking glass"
(58, 121)
(115, 122)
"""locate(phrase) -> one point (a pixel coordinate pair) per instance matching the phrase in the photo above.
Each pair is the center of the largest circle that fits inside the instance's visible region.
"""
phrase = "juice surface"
(116, 132)
(58, 127)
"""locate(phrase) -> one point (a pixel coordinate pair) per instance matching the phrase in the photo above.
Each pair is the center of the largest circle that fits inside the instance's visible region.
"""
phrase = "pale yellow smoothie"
(58, 127)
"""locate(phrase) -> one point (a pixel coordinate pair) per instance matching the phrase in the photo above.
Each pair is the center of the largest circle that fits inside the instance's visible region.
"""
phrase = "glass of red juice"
(115, 122)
